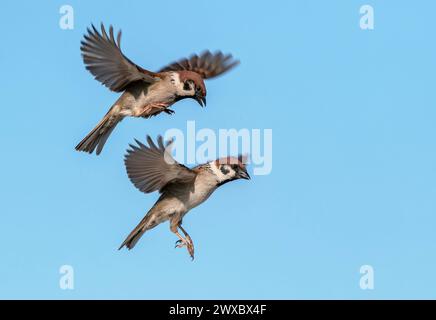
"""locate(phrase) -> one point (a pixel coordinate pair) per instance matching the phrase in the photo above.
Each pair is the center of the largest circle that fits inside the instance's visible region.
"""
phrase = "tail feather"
(98, 136)
(134, 236)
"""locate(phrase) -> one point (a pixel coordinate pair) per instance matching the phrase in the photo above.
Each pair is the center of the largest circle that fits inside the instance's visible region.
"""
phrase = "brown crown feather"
(240, 161)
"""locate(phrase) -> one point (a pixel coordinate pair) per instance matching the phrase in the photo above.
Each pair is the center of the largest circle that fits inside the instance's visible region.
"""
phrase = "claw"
(185, 242)
(188, 244)
(191, 252)
(180, 244)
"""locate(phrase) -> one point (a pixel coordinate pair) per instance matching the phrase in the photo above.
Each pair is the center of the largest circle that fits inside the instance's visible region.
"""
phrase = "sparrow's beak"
(200, 99)
(244, 175)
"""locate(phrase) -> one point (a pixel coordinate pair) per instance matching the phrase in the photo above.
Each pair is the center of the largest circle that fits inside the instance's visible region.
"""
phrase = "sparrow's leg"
(190, 243)
(187, 237)
(187, 241)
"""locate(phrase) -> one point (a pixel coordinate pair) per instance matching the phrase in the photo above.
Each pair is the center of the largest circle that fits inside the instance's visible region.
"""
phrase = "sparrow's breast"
(203, 188)
(160, 92)
(141, 95)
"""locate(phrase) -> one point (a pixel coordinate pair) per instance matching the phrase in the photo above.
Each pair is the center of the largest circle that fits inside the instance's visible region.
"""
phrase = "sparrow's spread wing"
(152, 167)
(208, 65)
(104, 59)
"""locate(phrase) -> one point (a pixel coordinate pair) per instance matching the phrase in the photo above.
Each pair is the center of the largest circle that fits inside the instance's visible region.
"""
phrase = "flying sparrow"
(152, 168)
(145, 93)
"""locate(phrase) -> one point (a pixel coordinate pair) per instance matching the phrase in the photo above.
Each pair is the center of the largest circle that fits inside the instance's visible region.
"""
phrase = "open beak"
(200, 99)
(244, 175)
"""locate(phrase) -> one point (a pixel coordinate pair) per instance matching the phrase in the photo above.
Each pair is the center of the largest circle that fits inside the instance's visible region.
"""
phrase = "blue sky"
(353, 180)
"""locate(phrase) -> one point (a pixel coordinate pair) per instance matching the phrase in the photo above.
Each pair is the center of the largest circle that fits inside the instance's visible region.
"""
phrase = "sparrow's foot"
(187, 242)
(153, 109)
(181, 243)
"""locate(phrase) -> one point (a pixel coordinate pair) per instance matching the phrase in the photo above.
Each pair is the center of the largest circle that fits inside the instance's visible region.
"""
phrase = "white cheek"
(183, 92)
(218, 173)
(175, 80)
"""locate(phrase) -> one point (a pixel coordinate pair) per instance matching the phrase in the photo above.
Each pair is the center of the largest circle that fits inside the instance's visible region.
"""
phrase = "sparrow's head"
(191, 85)
(229, 169)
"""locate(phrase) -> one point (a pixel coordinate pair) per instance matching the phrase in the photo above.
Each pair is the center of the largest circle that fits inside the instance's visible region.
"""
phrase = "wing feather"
(208, 65)
(103, 57)
(152, 167)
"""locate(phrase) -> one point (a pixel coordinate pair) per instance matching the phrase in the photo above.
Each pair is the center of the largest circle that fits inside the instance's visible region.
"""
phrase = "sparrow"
(152, 168)
(144, 93)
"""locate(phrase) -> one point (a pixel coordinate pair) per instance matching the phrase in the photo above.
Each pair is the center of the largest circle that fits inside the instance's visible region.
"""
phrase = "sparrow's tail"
(146, 223)
(98, 136)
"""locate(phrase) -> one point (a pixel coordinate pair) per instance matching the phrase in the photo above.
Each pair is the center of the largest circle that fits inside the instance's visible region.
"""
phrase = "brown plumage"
(152, 168)
(145, 93)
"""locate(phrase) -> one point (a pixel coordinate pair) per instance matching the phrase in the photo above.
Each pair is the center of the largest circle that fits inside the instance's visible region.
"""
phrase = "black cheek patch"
(224, 170)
